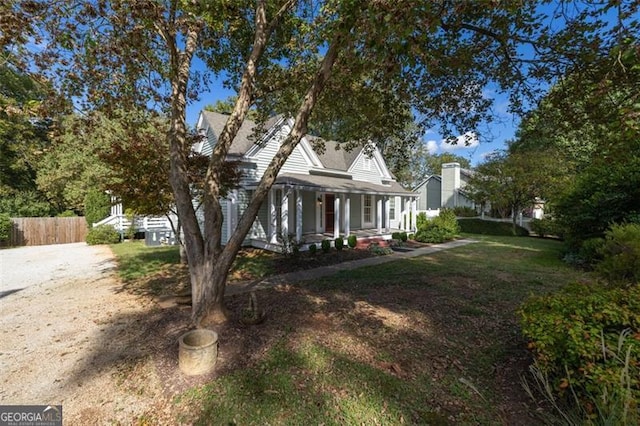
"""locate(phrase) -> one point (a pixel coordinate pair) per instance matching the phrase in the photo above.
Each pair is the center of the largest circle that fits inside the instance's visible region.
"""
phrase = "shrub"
(25, 204)
(290, 245)
(608, 406)
(376, 249)
(589, 252)
(103, 234)
(339, 243)
(67, 213)
(313, 249)
(130, 233)
(352, 241)
(545, 227)
(434, 234)
(6, 225)
(439, 229)
(447, 219)
(569, 329)
(411, 236)
(490, 227)
(325, 245)
(403, 237)
(465, 212)
(97, 206)
(395, 235)
(421, 220)
(620, 253)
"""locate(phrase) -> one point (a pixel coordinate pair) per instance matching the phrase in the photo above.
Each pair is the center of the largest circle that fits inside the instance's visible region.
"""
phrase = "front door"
(329, 212)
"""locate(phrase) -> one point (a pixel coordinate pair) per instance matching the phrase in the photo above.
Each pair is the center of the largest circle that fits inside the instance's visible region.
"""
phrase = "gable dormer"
(369, 166)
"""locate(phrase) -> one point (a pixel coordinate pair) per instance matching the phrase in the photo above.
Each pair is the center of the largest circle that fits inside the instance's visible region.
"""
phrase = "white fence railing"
(140, 223)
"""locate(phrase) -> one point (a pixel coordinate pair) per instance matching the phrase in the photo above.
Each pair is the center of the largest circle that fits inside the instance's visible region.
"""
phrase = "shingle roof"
(427, 180)
(334, 155)
(246, 136)
(335, 184)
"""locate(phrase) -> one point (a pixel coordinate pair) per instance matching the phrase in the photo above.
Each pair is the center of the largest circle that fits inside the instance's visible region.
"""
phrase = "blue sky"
(491, 137)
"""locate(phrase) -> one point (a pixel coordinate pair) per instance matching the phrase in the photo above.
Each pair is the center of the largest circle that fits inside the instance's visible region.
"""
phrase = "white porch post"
(298, 215)
(379, 213)
(412, 227)
(407, 215)
(387, 211)
(284, 214)
(336, 217)
(319, 222)
(273, 225)
(347, 215)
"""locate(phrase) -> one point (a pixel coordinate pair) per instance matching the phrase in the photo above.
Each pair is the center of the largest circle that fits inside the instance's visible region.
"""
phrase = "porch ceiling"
(340, 185)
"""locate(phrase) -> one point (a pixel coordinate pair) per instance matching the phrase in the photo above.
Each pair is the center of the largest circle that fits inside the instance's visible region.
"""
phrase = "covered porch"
(311, 209)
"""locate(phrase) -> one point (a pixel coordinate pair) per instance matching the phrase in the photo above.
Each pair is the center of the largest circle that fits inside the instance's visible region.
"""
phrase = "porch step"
(364, 243)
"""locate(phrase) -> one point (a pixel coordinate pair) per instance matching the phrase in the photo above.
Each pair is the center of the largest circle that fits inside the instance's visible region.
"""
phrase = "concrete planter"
(198, 351)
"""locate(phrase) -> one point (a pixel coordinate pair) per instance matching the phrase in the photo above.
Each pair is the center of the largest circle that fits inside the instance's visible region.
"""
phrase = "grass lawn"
(427, 340)
(157, 270)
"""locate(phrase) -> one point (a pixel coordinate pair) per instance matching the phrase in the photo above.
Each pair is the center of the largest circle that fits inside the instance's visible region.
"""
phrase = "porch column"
(379, 214)
(412, 227)
(336, 217)
(298, 215)
(273, 224)
(284, 213)
(406, 210)
(347, 215)
(387, 211)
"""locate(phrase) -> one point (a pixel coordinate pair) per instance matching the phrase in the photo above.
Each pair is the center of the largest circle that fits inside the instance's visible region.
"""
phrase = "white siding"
(207, 147)
(308, 211)
(261, 224)
(225, 219)
(244, 197)
(360, 172)
(296, 163)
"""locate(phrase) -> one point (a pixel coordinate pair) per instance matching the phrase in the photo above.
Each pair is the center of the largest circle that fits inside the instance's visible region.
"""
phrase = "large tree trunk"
(211, 301)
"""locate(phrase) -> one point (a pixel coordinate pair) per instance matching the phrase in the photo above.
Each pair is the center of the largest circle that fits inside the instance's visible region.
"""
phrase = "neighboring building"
(430, 193)
(446, 190)
(318, 194)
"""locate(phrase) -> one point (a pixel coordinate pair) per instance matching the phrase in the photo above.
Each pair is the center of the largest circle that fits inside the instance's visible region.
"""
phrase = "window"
(278, 211)
(367, 209)
(392, 208)
(366, 163)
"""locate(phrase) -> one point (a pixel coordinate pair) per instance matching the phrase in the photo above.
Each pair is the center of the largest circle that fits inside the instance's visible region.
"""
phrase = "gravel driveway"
(67, 329)
(24, 267)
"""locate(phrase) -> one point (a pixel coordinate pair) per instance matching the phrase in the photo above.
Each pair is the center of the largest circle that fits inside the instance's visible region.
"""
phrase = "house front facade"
(322, 190)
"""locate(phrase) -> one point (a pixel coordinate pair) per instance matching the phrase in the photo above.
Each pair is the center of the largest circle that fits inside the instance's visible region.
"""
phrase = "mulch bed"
(306, 260)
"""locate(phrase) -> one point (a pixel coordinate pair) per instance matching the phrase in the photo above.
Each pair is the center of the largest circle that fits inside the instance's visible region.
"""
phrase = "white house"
(317, 194)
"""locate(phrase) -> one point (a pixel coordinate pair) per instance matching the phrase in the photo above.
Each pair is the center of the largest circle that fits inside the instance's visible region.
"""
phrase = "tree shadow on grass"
(340, 350)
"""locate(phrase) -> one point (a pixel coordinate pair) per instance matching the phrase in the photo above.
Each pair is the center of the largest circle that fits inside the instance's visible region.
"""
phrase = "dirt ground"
(70, 341)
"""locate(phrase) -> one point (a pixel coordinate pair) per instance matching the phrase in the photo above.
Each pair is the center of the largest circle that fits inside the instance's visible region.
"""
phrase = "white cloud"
(432, 146)
(467, 141)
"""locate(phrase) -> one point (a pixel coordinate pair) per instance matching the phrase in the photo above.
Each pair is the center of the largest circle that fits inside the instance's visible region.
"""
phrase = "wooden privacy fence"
(37, 231)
